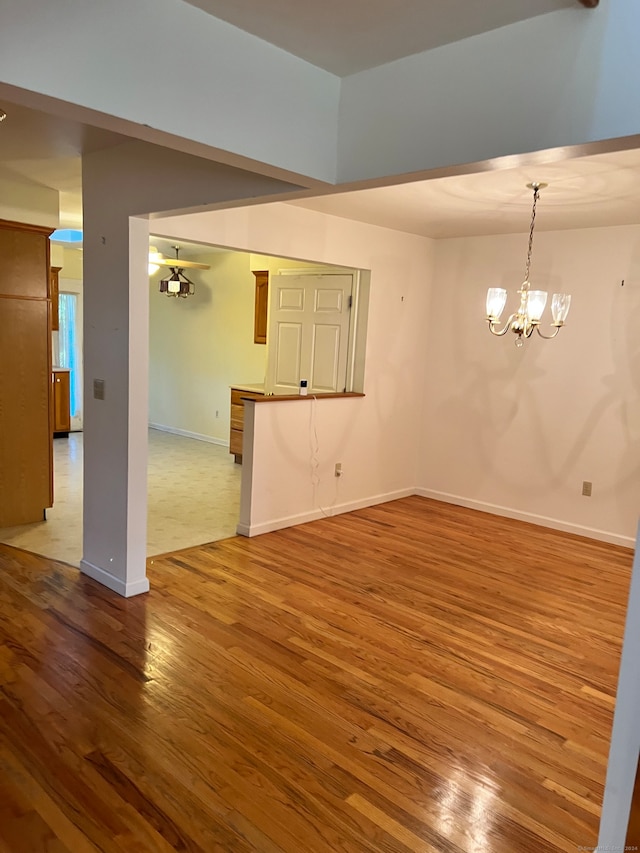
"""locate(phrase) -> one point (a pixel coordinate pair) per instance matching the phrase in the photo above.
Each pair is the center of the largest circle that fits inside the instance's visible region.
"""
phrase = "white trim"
(293, 520)
(112, 582)
(354, 310)
(319, 270)
(532, 518)
(74, 286)
(184, 432)
(625, 737)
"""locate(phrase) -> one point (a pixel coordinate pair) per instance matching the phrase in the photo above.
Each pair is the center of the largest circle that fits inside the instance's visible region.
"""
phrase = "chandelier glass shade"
(532, 302)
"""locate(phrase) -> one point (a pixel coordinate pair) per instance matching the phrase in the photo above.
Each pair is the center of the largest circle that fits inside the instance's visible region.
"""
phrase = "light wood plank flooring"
(409, 677)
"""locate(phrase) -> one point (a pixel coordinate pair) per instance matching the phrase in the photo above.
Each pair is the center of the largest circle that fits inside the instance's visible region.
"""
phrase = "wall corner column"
(116, 350)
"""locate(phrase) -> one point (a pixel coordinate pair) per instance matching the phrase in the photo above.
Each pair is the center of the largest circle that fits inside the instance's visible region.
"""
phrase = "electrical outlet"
(338, 469)
(98, 389)
(586, 488)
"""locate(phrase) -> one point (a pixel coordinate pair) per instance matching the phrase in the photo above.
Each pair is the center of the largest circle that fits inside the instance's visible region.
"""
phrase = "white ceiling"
(346, 36)
(47, 150)
(602, 189)
(188, 250)
(585, 192)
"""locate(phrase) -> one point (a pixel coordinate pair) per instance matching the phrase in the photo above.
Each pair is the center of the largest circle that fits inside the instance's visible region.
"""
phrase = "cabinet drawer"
(235, 441)
(237, 416)
(236, 421)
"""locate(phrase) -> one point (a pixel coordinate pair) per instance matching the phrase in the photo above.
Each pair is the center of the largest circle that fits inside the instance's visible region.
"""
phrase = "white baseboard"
(314, 515)
(532, 518)
(184, 432)
(112, 582)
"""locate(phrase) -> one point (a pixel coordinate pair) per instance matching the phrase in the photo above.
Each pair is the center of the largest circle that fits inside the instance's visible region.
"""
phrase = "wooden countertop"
(257, 388)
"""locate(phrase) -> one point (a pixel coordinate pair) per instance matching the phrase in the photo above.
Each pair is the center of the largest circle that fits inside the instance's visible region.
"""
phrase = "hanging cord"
(314, 448)
(536, 196)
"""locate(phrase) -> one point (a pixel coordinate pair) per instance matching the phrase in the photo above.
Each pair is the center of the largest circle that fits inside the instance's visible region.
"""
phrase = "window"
(69, 351)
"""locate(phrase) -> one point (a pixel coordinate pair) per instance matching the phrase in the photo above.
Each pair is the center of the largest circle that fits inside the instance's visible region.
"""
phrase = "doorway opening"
(209, 350)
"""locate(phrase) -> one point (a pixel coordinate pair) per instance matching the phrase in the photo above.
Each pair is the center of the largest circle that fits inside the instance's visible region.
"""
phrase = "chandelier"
(176, 284)
(532, 302)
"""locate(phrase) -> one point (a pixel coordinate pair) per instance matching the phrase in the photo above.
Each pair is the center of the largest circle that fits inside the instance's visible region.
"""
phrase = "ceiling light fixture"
(68, 236)
(3, 115)
(532, 302)
(177, 284)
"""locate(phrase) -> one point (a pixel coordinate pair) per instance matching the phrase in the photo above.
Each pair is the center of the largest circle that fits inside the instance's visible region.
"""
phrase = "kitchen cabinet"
(239, 393)
(53, 288)
(26, 460)
(60, 380)
(260, 317)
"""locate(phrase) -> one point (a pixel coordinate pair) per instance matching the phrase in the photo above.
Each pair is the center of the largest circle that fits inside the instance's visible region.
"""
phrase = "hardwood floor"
(410, 677)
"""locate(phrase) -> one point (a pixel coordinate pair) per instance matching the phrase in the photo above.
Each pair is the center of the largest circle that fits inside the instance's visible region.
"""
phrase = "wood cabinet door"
(61, 401)
(633, 829)
(261, 307)
(53, 290)
(26, 471)
(24, 251)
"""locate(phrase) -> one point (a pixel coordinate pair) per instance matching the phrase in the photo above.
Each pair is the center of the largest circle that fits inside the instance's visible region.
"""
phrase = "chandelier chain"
(536, 196)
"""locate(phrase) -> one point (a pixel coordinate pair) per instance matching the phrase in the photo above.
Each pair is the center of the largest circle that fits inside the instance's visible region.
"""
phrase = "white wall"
(508, 430)
(200, 345)
(521, 429)
(565, 78)
(374, 437)
(120, 185)
(25, 201)
(71, 263)
(226, 89)
(625, 737)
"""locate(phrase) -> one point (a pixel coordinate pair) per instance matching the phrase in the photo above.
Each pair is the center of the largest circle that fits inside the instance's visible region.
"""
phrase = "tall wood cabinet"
(26, 465)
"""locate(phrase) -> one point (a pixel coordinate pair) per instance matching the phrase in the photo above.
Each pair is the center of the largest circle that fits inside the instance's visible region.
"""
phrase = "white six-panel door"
(308, 332)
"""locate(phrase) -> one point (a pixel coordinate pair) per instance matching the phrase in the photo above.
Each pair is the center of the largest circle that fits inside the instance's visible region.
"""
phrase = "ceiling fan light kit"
(532, 302)
(177, 284)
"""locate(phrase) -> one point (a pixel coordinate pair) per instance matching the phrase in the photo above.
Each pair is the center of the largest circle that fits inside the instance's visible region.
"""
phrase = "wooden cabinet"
(53, 288)
(238, 396)
(261, 307)
(61, 401)
(26, 463)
